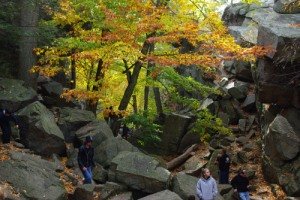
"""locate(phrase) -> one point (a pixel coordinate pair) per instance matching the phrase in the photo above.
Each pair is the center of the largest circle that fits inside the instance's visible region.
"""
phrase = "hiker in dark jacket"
(125, 132)
(206, 187)
(86, 160)
(5, 118)
(240, 184)
(224, 164)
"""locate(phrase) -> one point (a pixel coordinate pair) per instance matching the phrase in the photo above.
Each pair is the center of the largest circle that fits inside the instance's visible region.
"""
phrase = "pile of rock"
(277, 83)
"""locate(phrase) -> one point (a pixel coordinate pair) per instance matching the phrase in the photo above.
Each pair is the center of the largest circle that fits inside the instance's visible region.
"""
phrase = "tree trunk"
(147, 89)
(28, 40)
(89, 77)
(131, 85)
(182, 158)
(159, 108)
(146, 98)
(92, 105)
(132, 79)
(134, 104)
(73, 72)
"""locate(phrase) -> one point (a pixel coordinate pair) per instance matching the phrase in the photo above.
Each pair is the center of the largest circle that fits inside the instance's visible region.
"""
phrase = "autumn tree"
(139, 36)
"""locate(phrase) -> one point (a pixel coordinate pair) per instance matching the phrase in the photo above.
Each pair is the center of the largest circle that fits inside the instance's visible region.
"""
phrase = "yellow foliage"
(116, 31)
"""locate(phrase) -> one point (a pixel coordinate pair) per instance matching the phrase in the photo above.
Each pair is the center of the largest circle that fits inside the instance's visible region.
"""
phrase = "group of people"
(113, 119)
(109, 115)
(207, 186)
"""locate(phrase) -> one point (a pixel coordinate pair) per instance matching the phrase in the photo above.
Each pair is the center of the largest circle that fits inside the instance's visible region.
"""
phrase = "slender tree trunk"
(147, 89)
(28, 40)
(146, 96)
(134, 104)
(92, 105)
(158, 103)
(73, 72)
(89, 77)
(131, 85)
(99, 76)
(132, 80)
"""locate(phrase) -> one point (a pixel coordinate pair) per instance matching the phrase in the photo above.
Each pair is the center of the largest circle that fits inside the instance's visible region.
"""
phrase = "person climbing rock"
(224, 164)
(240, 184)
(5, 117)
(86, 160)
(125, 132)
(206, 187)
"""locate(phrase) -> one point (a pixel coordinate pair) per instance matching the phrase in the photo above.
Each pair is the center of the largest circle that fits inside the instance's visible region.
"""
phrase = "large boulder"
(224, 188)
(122, 196)
(211, 164)
(249, 104)
(71, 156)
(246, 36)
(194, 165)
(175, 128)
(276, 79)
(85, 192)
(278, 31)
(14, 94)
(71, 119)
(281, 158)
(281, 140)
(99, 130)
(32, 177)
(184, 185)
(43, 135)
(110, 189)
(188, 140)
(243, 71)
(51, 92)
(139, 171)
(228, 112)
(286, 175)
(105, 152)
(237, 89)
(287, 6)
(234, 15)
(100, 175)
(163, 195)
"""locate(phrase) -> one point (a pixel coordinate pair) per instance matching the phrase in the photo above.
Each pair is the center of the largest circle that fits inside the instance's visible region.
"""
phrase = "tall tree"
(114, 31)
(28, 40)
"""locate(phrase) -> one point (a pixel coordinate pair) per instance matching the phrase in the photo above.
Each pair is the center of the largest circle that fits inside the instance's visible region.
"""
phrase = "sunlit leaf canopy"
(115, 31)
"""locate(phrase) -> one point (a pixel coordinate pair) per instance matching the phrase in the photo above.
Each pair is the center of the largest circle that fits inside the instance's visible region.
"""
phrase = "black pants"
(224, 177)
(6, 132)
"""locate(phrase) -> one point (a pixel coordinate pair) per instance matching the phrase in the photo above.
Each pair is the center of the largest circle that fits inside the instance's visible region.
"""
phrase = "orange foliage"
(80, 95)
(119, 31)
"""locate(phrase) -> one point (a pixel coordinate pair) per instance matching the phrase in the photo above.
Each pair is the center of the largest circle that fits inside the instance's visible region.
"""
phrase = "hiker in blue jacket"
(86, 160)
(5, 118)
(207, 187)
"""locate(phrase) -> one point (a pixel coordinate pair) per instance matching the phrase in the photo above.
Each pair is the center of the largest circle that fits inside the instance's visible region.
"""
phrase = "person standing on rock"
(125, 132)
(224, 164)
(240, 184)
(206, 187)
(5, 118)
(86, 160)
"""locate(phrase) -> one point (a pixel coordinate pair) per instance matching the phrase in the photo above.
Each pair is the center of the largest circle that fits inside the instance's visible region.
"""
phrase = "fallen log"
(182, 158)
